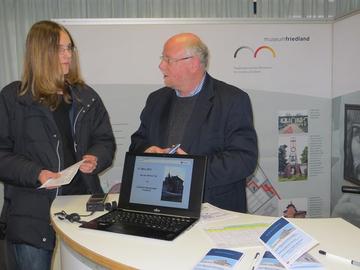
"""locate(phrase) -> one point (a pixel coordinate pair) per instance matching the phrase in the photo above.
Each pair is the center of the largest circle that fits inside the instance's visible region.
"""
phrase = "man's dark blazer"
(220, 127)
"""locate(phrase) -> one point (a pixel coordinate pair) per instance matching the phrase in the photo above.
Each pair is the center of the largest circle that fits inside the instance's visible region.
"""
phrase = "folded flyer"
(306, 261)
(286, 241)
(219, 259)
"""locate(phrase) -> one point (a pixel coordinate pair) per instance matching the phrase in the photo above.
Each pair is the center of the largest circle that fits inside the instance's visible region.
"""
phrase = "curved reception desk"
(91, 249)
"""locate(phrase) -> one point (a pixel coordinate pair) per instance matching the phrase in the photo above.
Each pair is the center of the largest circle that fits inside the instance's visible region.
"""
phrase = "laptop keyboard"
(157, 222)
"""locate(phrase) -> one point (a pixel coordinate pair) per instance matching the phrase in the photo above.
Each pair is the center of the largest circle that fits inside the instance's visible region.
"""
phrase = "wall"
(285, 68)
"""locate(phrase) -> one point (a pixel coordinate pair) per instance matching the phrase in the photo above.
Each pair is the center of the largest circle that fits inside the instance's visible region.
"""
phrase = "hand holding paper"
(65, 176)
(89, 164)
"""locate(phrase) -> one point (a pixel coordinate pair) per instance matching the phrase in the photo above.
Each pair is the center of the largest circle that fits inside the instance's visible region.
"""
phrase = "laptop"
(160, 196)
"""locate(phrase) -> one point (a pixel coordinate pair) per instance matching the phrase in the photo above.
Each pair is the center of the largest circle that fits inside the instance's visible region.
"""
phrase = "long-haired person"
(49, 120)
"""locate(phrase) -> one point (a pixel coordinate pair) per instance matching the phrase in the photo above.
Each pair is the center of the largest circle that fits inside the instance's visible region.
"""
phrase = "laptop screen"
(162, 183)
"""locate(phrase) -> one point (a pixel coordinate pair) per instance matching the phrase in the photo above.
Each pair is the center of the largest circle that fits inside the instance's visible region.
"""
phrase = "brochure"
(286, 241)
(236, 235)
(219, 259)
(306, 261)
(211, 213)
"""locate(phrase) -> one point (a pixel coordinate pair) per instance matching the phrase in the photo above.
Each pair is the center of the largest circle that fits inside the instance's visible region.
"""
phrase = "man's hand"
(46, 175)
(89, 164)
(179, 151)
(157, 150)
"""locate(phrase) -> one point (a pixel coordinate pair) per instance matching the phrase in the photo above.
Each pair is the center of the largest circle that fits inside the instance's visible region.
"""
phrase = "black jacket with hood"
(30, 142)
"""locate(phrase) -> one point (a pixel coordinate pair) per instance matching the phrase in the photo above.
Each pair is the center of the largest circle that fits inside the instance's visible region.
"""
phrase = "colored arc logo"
(255, 53)
(265, 47)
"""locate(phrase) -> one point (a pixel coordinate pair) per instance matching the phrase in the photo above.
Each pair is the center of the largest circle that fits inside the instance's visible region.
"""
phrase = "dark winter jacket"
(30, 142)
(221, 127)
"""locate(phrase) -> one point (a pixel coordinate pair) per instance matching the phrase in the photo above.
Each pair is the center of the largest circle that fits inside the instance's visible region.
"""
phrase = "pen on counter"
(256, 257)
(353, 262)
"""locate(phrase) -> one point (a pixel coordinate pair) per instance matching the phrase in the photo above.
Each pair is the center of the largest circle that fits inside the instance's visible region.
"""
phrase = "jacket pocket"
(29, 203)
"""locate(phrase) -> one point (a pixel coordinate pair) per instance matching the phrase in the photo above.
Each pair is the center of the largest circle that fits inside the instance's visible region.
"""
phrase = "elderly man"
(204, 115)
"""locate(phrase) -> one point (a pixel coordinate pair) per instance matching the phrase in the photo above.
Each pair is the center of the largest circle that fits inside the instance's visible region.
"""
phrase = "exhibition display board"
(287, 63)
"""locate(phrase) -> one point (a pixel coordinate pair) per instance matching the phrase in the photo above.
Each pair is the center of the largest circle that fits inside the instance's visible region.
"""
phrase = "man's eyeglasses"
(69, 48)
(170, 60)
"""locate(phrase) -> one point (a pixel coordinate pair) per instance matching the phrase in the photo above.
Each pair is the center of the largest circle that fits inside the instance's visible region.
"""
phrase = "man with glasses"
(205, 116)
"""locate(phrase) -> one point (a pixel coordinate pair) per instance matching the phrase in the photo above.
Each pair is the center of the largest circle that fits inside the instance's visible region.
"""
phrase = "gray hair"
(199, 49)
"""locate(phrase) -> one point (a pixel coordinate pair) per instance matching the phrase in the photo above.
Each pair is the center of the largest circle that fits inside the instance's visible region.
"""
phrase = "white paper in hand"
(65, 178)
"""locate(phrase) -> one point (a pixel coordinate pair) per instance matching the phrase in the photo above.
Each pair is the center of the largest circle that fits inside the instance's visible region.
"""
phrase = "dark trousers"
(7, 259)
(32, 258)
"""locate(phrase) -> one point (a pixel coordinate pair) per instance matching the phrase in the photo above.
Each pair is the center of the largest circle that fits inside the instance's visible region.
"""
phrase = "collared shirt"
(196, 90)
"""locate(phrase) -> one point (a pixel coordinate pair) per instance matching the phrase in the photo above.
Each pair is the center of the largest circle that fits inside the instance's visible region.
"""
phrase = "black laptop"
(160, 196)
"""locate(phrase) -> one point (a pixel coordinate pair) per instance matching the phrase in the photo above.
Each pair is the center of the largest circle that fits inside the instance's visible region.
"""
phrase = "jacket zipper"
(75, 121)
(58, 154)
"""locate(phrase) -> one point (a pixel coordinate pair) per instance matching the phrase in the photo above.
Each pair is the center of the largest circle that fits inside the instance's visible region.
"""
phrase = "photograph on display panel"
(293, 127)
(352, 143)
